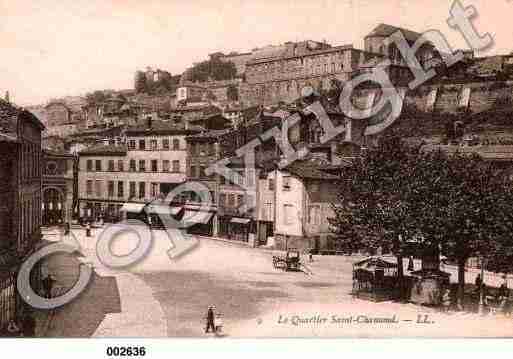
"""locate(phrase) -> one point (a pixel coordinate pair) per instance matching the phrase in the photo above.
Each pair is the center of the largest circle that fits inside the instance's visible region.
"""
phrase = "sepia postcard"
(256, 169)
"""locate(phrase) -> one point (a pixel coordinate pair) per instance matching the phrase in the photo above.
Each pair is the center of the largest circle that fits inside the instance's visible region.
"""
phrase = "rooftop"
(385, 30)
(105, 150)
(311, 169)
(163, 127)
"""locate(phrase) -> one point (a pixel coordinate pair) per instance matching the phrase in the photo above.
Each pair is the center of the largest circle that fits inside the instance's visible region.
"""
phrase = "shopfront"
(236, 228)
(199, 221)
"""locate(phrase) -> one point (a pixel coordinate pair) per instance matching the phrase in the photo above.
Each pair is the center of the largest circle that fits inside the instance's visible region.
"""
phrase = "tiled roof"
(310, 169)
(211, 133)
(106, 150)
(163, 127)
(386, 30)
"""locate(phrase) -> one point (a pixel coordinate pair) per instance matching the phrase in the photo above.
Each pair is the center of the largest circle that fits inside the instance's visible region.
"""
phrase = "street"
(160, 297)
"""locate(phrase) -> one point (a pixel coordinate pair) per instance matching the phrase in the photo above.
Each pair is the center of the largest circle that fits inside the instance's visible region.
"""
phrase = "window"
(231, 200)
(142, 189)
(288, 214)
(332, 67)
(121, 166)
(241, 178)
(153, 145)
(222, 200)
(176, 165)
(250, 178)
(89, 165)
(111, 165)
(142, 166)
(132, 190)
(240, 200)
(267, 212)
(176, 144)
(98, 165)
(131, 144)
(120, 189)
(154, 189)
(314, 214)
(142, 145)
(165, 165)
(154, 166)
(202, 172)
(222, 179)
(165, 143)
(98, 186)
(271, 184)
(89, 187)
(193, 171)
(286, 183)
(132, 166)
(110, 189)
(325, 68)
(314, 187)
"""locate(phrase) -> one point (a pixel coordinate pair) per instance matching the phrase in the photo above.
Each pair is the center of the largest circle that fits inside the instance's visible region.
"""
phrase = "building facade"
(20, 203)
(151, 164)
(58, 188)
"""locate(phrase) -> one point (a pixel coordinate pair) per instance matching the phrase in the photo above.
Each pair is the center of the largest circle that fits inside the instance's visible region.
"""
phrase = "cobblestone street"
(160, 297)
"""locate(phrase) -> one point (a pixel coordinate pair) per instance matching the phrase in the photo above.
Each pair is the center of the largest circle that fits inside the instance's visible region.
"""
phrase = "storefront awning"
(163, 209)
(132, 207)
(240, 220)
(196, 217)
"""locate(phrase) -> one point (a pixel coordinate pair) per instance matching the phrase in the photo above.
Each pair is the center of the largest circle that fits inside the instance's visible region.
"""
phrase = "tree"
(214, 69)
(373, 208)
(458, 203)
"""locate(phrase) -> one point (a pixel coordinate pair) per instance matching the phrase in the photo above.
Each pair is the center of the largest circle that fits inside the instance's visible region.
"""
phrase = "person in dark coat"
(29, 326)
(410, 264)
(88, 229)
(210, 319)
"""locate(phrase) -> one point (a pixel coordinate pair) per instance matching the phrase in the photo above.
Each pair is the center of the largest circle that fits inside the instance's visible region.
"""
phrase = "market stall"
(375, 279)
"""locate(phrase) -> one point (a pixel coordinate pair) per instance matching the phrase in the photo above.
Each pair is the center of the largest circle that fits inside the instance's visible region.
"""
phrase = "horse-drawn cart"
(290, 262)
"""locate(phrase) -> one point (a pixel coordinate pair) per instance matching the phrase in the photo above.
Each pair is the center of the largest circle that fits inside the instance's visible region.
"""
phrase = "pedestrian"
(503, 295)
(210, 319)
(310, 255)
(67, 229)
(446, 300)
(410, 264)
(88, 229)
(29, 325)
(478, 281)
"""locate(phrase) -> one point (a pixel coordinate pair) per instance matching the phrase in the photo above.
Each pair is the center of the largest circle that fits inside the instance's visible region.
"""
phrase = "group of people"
(499, 302)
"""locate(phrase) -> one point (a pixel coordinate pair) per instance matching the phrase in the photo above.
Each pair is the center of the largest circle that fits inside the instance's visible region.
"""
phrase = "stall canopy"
(372, 263)
(196, 216)
(163, 209)
(240, 220)
(132, 207)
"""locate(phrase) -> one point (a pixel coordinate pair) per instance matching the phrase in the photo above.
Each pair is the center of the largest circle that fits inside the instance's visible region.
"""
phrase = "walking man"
(210, 319)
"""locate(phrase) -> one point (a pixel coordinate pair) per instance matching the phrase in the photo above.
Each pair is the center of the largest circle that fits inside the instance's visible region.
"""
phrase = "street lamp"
(481, 287)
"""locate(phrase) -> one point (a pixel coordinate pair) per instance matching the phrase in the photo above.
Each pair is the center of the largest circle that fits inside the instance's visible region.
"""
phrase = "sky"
(54, 48)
